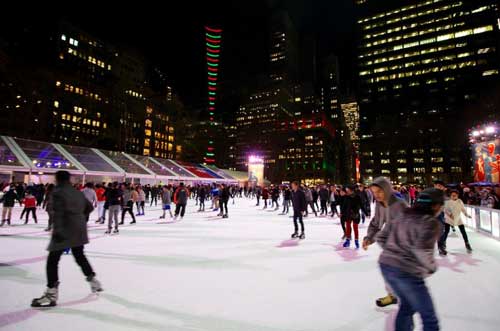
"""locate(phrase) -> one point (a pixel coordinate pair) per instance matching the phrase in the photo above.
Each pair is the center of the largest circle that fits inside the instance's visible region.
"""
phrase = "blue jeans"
(414, 297)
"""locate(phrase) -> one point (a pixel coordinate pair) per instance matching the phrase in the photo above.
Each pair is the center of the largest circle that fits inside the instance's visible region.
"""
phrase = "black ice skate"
(469, 249)
(48, 299)
(302, 236)
(295, 235)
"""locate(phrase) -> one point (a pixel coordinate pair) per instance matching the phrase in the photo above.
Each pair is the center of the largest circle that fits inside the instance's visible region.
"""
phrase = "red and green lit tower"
(213, 38)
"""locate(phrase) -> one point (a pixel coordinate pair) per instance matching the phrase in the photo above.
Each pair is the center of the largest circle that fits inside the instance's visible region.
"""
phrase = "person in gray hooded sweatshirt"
(388, 206)
(408, 247)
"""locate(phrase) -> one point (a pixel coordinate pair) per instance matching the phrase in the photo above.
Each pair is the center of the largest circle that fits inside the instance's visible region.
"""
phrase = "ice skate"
(133, 222)
(468, 247)
(116, 231)
(162, 216)
(48, 299)
(347, 243)
(295, 235)
(386, 301)
(442, 251)
(356, 242)
(302, 236)
(95, 285)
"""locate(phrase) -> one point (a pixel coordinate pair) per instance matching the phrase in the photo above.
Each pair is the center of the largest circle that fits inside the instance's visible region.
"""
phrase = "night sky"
(172, 38)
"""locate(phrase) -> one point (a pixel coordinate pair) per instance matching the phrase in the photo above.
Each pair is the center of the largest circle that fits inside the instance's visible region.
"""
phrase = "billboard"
(486, 158)
(255, 170)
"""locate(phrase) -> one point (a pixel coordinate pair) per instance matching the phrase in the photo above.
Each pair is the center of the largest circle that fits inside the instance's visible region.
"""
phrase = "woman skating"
(453, 209)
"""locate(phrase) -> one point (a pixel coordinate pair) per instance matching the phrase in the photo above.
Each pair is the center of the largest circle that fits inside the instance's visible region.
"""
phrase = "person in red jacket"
(30, 205)
(101, 200)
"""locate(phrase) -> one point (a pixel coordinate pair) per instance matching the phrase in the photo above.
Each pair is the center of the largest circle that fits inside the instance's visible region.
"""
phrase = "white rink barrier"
(483, 220)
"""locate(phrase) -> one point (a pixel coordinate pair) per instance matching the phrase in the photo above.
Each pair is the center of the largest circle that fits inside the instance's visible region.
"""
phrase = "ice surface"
(241, 274)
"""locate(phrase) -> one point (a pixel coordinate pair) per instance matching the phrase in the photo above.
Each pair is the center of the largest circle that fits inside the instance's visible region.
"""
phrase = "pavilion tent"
(37, 158)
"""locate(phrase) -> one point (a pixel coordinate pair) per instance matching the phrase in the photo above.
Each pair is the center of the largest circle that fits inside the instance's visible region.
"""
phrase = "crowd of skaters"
(407, 222)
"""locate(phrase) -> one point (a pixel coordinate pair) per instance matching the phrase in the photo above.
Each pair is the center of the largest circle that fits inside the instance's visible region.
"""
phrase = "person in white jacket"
(453, 209)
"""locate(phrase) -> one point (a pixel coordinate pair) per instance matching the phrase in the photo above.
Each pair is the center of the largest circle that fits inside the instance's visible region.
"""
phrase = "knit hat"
(432, 196)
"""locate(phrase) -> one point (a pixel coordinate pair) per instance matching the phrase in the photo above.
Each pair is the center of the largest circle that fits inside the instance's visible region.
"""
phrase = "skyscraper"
(420, 64)
(213, 38)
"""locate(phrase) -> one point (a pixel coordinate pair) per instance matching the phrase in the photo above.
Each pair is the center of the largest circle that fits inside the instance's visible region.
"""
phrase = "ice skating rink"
(240, 274)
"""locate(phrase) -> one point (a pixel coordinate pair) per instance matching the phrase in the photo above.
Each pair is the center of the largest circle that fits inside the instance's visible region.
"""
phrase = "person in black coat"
(202, 194)
(349, 213)
(224, 199)
(299, 206)
(323, 198)
(8, 200)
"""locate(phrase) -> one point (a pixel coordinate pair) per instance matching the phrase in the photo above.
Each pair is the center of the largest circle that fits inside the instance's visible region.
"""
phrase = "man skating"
(71, 210)
(299, 206)
(387, 207)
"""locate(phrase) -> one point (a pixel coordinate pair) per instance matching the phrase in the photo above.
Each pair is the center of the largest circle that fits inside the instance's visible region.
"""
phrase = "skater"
(224, 199)
(299, 206)
(453, 209)
(365, 197)
(71, 210)
(441, 217)
(315, 194)
(180, 200)
(166, 201)
(309, 201)
(113, 199)
(275, 195)
(215, 198)
(287, 196)
(90, 194)
(101, 201)
(257, 194)
(154, 195)
(202, 193)
(408, 258)
(349, 211)
(388, 207)
(8, 200)
(323, 198)
(265, 196)
(141, 200)
(30, 205)
(49, 206)
(333, 201)
(128, 199)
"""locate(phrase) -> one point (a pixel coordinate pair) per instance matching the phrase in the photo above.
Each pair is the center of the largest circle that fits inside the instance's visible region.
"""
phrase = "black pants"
(342, 222)
(297, 215)
(275, 201)
(202, 203)
(53, 264)
(447, 231)
(324, 209)
(333, 207)
(258, 200)
(33, 211)
(310, 203)
(180, 207)
(155, 199)
(265, 203)
(23, 212)
(128, 210)
(223, 207)
(316, 204)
